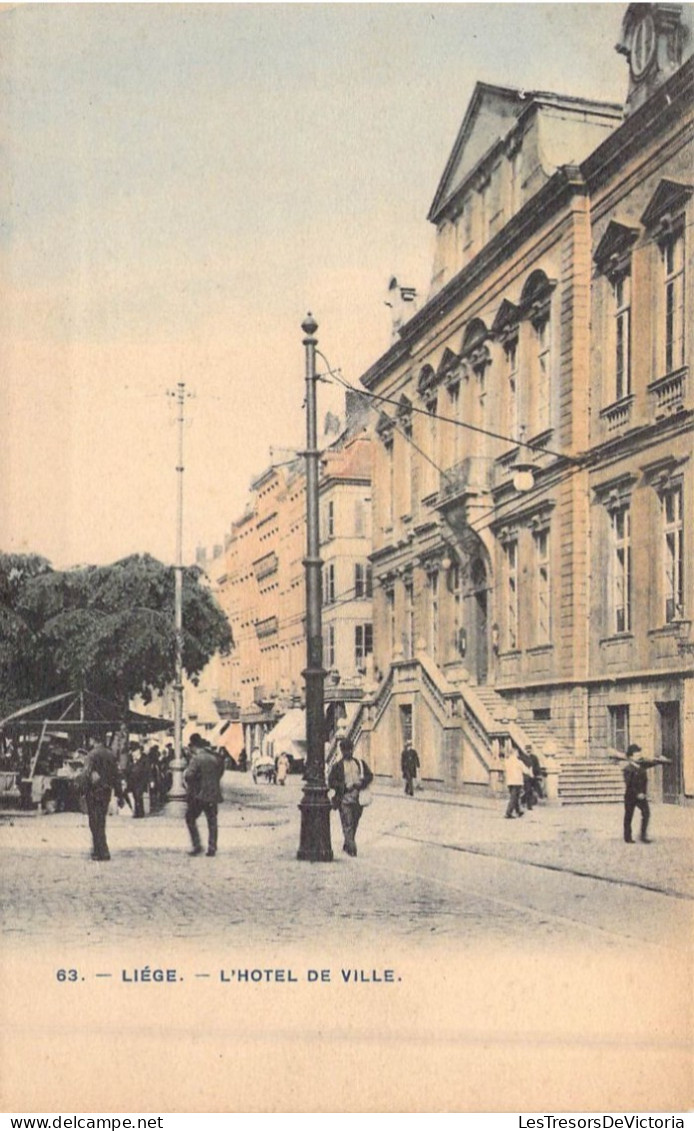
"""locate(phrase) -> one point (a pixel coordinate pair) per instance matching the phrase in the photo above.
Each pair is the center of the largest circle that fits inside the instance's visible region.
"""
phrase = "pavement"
(427, 974)
(418, 858)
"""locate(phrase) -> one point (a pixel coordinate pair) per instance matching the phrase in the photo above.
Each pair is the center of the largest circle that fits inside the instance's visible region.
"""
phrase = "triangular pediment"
(490, 115)
(507, 315)
(615, 243)
(669, 197)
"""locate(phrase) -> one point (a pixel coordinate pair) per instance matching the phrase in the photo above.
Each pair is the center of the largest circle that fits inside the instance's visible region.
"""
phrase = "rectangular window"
(409, 621)
(329, 585)
(622, 313)
(389, 509)
(330, 524)
(673, 261)
(620, 559)
(363, 583)
(673, 554)
(511, 350)
(359, 518)
(511, 553)
(542, 587)
(516, 180)
(454, 414)
(390, 606)
(619, 728)
(542, 386)
(406, 731)
(363, 644)
(433, 615)
(407, 467)
(329, 646)
(430, 472)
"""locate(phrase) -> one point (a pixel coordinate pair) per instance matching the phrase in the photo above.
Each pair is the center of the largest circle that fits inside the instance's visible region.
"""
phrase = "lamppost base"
(178, 790)
(315, 809)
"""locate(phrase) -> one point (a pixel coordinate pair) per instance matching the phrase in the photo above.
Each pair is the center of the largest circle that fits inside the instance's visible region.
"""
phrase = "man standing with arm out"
(635, 790)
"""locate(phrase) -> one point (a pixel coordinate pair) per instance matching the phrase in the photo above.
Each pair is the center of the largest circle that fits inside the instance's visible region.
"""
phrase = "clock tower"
(656, 39)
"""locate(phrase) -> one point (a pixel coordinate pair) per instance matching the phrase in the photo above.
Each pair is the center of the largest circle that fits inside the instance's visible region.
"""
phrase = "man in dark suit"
(99, 777)
(409, 764)
(348, 778)
(635, 789)
(202, 779)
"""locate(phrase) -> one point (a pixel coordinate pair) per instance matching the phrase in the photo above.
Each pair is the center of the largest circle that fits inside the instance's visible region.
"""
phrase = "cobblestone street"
(429, 867)
(456, 941)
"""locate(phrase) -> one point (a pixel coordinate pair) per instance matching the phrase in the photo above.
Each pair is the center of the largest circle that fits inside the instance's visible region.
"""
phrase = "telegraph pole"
(177, 766)
(315, 805)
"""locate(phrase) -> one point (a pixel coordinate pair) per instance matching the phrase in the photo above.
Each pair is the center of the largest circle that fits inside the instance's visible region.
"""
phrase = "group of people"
(146, 772)
(104, 776)
(524, 780)
(348, 780)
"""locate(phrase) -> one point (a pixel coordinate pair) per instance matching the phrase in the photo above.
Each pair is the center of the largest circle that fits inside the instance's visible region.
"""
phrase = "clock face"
(642, 45)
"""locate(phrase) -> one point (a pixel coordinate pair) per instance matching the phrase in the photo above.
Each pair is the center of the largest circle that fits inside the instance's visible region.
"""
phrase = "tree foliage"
(106, 628)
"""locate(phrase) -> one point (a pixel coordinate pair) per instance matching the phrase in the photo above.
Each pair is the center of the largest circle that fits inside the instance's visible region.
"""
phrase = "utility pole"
(315, 805)
(177, 766)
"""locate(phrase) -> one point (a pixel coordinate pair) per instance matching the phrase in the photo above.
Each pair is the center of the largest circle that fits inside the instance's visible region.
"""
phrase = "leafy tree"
(106, 628)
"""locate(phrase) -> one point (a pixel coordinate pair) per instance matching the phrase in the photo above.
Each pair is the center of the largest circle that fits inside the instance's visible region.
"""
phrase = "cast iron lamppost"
(315, 805)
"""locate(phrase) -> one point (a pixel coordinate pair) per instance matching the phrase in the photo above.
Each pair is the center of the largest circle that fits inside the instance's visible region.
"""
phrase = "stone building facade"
(258, 577)
(532, 465)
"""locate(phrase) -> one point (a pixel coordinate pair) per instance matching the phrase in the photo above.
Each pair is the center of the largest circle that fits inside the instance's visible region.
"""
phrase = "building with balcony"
(532, 539)
(259, 579)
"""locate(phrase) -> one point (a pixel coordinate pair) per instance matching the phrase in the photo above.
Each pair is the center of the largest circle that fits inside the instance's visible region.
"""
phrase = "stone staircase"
(582, 781)
(585, 781)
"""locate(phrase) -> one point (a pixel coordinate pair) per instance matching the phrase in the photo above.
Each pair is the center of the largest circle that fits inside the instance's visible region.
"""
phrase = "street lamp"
(315, 806)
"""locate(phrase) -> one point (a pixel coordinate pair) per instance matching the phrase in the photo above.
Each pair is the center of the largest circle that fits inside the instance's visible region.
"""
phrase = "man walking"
(347, 778)
(514, 780)
(99, 777)
(202, 778)
(409, 763)
(635, 790)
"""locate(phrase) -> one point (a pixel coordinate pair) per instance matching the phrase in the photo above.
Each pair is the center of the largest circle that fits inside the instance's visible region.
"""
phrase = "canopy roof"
(83, 710)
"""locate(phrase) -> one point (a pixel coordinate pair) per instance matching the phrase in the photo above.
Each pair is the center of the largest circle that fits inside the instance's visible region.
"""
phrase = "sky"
(179, 185)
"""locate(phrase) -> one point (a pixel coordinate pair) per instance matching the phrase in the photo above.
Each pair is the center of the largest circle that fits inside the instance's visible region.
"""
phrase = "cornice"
(664, 107)
(566, 183)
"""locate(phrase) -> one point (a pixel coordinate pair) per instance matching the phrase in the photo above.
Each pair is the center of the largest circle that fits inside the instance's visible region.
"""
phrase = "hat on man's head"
(633, 749)
(196, 740)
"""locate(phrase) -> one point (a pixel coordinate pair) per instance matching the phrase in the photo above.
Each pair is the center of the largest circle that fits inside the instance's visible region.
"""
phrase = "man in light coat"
(514, 780)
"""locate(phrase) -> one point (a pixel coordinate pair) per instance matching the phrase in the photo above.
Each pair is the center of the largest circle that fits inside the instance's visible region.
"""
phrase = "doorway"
(670, 747)
(478, 578)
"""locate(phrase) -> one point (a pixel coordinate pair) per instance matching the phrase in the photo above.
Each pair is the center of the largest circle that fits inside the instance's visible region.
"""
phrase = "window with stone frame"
(619, 727)
(621, 290)
(329, 584)
(672, 553)
(363, 585)
(536, 306)
(433, 634)
(475, 359)
(506, 331)
(672, 250)
(390, 616)
(363, 645)
(329, 646)
(620, 569)
(454, 414)
(511, 626)
(613, 261)
(385, 482)
(408, 633)
(543, 587)
(665, 221)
